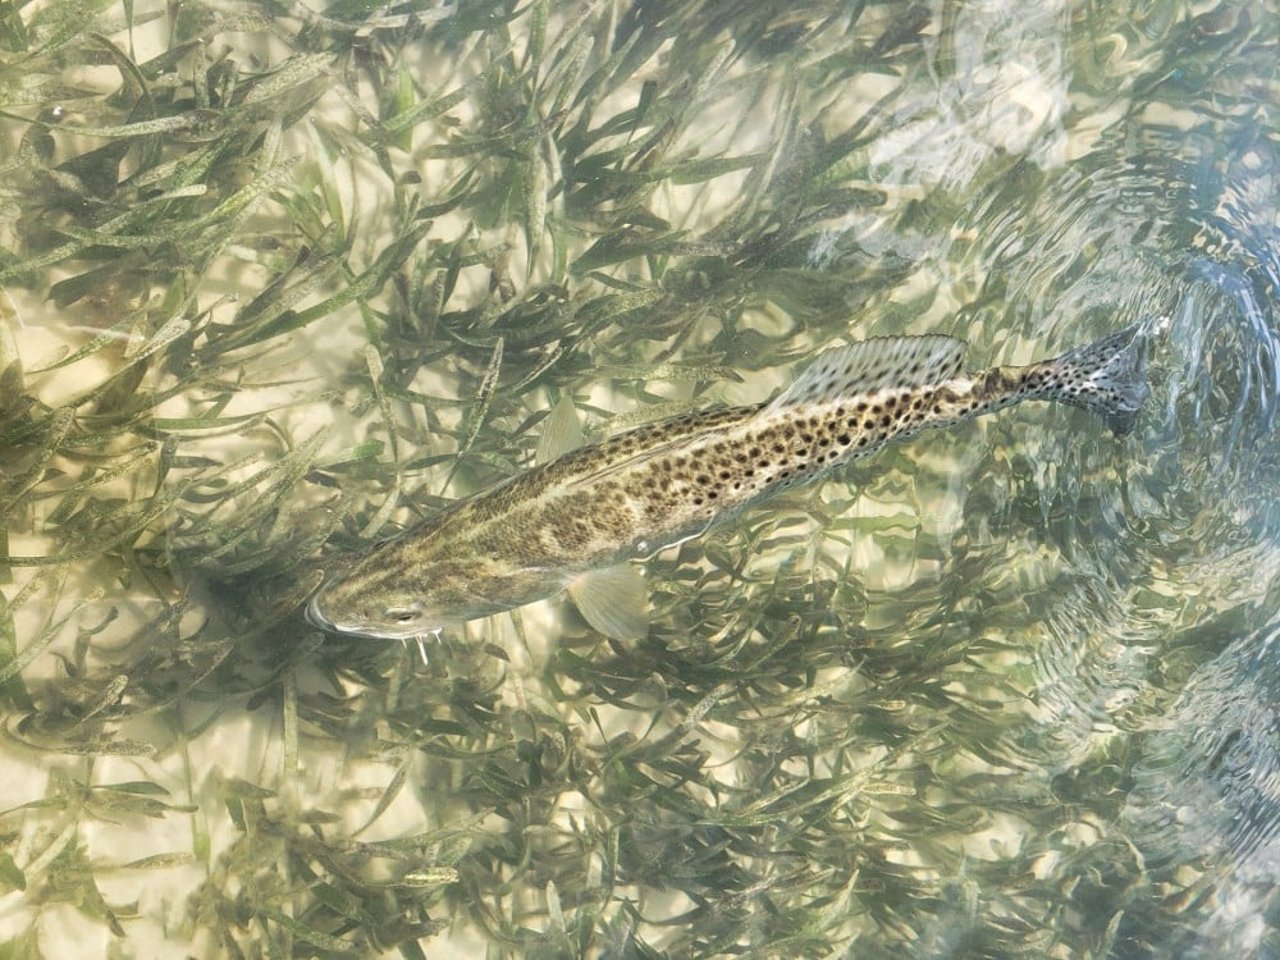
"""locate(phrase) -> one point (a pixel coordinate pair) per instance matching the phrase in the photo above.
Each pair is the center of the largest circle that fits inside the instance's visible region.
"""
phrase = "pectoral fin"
(614, 601)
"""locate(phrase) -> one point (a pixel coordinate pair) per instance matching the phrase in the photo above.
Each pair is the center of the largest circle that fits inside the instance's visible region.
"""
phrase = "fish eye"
(405, 614)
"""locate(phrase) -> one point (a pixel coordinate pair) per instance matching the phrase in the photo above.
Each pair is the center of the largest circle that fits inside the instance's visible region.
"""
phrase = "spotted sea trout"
(573, 522)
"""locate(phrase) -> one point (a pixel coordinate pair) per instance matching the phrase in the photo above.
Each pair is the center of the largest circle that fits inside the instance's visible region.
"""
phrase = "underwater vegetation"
(280, 280)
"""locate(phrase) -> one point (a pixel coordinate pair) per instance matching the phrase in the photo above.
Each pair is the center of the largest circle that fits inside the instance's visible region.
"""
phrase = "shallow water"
(1006, 690)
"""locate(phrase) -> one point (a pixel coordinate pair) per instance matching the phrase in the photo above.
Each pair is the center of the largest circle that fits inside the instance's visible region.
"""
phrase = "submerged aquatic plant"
(317, 272)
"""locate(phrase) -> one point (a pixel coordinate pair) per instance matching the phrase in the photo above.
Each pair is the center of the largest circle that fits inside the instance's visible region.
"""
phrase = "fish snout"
(315, 616)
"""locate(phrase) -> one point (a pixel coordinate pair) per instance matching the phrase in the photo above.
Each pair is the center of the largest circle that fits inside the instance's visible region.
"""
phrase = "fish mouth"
(316, 618)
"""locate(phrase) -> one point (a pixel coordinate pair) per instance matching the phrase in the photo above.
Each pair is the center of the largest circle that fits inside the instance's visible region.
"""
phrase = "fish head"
(413, 586)
(377, 601)
(385, 617)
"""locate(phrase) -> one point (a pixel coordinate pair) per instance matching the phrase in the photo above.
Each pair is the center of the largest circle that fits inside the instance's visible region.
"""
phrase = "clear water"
(1008, 690)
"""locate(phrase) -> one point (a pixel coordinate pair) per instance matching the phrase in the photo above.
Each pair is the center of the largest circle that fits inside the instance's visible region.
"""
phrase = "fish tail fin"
(1106, 377)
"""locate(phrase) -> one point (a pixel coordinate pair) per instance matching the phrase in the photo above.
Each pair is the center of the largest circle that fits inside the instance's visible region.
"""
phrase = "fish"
(581, 519)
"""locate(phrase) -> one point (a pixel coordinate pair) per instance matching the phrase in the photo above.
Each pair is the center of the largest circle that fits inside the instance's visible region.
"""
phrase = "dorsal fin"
(874, 365)
(561, 431)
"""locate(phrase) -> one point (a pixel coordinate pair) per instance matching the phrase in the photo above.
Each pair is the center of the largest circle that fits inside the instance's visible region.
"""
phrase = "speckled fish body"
(625, 498)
